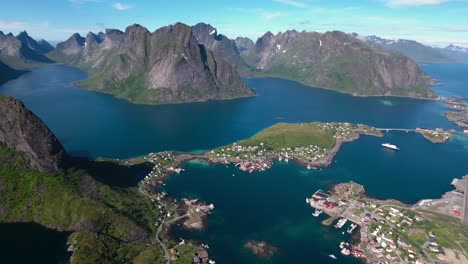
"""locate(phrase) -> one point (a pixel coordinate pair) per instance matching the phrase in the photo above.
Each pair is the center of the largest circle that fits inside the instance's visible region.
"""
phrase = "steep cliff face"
(25, 133)
(221, 45)
(168, 65)
(244, 43)
(337, 61)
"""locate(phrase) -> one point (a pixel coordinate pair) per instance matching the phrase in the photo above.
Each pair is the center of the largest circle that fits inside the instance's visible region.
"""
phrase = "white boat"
(307, 200)
(351, 229)
(332, 256)
(341, 223)
(390, 146)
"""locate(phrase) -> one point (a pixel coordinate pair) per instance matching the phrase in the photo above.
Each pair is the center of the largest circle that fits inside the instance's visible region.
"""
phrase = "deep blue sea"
(270, 205)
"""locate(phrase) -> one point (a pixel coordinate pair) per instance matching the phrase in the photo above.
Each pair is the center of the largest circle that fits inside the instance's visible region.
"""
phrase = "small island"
(436, 136)
(260, 248)
(393, 232)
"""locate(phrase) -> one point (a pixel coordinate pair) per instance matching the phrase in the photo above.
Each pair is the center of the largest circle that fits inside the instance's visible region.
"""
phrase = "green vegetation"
(450, 231)
(283, 135)
(111, 224)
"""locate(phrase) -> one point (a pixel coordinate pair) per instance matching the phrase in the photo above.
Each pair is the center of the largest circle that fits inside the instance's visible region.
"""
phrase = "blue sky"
(434, 22)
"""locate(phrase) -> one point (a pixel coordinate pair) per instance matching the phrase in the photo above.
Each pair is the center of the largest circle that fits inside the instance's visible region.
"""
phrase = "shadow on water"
(111, 173)
(32, 243)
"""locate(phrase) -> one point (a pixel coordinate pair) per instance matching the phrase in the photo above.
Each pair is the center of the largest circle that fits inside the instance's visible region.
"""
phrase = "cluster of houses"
(160, 161)
(386, 241)
(383, 228)
(324, 201)
(246, 158)
(199, 206)
(202, 256)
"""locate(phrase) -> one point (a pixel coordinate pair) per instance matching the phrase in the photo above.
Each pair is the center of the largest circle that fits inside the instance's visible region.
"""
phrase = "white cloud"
(404, 3)
(267, 16)
(14, 25)
(120, 6)
(292, 3)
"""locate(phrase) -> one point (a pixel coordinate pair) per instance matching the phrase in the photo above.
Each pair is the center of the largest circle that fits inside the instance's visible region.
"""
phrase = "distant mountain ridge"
(40, 46)
(166, 66)
(338, 61)
(22, 52)
(244, 43)
(421, 53)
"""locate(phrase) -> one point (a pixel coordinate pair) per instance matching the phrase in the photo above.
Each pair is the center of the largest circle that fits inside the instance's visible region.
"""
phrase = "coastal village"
(392, 232)
(256, 154)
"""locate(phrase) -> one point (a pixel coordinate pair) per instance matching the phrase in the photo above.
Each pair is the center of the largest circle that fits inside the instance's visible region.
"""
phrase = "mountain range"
(20, 53)
(179, 63)
(338, 61)
(168, 65)
(420, 52)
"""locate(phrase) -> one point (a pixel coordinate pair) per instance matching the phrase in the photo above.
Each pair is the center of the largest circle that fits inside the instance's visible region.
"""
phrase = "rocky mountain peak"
(25, 133)
(72, 45)
(243, 43)
(92, 39)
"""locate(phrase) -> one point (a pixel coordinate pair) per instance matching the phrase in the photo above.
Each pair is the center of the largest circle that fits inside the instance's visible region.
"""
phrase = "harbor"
(392, 232)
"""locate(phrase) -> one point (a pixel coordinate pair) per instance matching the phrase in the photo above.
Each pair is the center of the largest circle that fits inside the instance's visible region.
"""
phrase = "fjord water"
(95, 124)
(271, 205)
(454, 78)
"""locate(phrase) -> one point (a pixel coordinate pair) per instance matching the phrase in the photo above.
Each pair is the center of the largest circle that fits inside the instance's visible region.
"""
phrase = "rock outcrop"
(221, 45)
(24, 132)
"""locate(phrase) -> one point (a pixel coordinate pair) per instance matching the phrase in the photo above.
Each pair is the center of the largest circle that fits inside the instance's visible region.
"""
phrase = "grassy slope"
(283, 135)
(112, 222)
(449, 231)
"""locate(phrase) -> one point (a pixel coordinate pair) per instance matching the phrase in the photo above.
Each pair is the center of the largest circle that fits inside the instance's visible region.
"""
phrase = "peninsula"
(458, 117)
(393, 232)
(309, 144)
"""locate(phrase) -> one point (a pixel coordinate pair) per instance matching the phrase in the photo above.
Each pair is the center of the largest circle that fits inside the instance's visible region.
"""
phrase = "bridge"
(397, 129)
